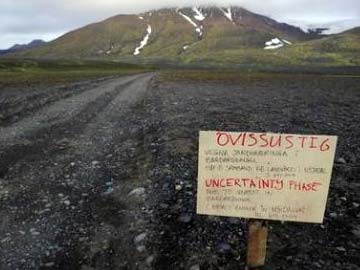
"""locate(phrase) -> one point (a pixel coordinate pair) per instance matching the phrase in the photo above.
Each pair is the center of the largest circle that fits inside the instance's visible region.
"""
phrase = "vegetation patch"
(60, 71)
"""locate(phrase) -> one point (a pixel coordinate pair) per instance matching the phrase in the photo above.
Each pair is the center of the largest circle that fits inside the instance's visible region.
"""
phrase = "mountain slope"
(120, 35)
(198, 36)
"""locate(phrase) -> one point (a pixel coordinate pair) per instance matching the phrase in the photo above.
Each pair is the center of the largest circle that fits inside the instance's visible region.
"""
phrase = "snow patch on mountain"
(199, 15)
(273, 47)
(144, 42)
(108, 52)
(198, 28)
(141, 18)
(276, 43)
(228, 14)
(287, 42)
(188, 19)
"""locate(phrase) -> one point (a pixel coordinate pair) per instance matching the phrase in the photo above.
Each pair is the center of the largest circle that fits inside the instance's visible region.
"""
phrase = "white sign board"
(264, 175)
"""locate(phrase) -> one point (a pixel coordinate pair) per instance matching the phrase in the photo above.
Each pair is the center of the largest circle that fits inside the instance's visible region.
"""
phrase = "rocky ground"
(102, 174)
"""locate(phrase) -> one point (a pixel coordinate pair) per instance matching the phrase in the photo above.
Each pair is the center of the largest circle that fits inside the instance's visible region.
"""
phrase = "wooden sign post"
(257, 242)
(264, 176)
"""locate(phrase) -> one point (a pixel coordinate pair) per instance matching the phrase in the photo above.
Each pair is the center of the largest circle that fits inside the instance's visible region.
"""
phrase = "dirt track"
(60, 164)
(102, 175)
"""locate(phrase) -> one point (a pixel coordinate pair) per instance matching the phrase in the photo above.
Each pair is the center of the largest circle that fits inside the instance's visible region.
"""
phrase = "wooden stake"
(256, 253)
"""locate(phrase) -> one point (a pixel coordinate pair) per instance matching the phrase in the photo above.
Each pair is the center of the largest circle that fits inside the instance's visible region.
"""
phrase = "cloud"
(24, 19)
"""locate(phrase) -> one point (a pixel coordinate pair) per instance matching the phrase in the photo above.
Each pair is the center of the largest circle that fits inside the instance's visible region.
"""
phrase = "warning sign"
(264, 175)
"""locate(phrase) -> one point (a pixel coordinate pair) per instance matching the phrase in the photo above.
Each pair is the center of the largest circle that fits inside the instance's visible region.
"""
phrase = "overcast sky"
(24, 20)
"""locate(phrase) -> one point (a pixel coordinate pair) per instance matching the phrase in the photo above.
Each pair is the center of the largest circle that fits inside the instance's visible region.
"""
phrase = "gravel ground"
(102, 174)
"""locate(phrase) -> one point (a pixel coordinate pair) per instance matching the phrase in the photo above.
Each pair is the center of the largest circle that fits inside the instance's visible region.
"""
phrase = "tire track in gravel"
(17, 102)
(32, 133)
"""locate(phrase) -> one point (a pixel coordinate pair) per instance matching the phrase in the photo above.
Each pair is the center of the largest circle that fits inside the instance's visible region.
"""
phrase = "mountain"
(21, 47)
(198, 36)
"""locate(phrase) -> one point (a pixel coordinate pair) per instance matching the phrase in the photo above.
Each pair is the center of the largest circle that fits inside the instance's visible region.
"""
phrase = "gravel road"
(59, 167)
(101, 174)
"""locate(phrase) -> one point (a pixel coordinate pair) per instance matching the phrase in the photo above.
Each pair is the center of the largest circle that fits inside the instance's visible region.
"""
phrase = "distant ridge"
(20, 47)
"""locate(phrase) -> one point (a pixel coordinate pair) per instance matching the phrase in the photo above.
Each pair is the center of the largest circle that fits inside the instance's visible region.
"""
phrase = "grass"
(50, 72)
(233, 76)
(221, 76)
